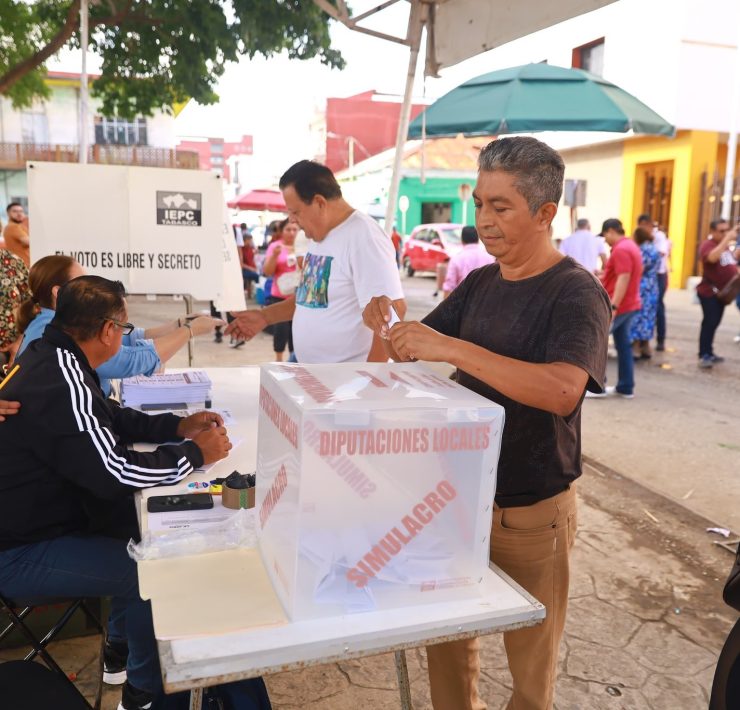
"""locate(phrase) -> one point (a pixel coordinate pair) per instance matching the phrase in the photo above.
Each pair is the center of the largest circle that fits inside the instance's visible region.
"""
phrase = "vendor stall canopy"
(460, 29)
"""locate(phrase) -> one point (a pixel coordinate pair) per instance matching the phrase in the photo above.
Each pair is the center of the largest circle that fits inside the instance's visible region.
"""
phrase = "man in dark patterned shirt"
(530, 333)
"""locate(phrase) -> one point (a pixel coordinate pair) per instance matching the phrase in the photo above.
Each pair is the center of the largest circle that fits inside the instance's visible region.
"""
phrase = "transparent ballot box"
(375, 486)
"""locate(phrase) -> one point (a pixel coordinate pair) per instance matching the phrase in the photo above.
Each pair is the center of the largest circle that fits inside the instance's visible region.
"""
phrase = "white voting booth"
(375, 486)
(157, 230)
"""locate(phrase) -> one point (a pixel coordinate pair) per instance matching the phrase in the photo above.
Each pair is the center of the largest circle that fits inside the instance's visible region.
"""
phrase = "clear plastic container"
(375, 486)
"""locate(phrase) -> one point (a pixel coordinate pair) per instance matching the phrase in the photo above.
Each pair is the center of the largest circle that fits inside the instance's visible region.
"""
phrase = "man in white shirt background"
(585, 247)
(349, 261)
(661, 244)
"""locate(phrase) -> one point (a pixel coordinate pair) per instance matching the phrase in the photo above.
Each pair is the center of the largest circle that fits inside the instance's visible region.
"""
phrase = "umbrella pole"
(417, 20)
(732, 141)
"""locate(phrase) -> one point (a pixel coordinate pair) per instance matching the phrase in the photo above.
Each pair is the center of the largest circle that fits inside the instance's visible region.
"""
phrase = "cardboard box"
(375, 486)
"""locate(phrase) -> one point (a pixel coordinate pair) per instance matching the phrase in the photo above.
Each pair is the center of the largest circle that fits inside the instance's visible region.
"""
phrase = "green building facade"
(437, 199)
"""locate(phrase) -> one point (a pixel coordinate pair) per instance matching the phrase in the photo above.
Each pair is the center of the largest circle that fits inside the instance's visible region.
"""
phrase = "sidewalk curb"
(689, 517)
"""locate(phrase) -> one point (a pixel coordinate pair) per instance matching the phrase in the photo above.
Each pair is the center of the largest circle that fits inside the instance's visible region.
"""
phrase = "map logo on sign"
(179, 209)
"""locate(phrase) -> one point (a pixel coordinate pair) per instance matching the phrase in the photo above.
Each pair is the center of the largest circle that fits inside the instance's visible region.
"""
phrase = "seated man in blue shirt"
(67, 475)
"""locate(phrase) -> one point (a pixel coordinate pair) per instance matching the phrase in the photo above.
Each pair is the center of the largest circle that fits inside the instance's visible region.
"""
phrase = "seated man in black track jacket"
(66, 474)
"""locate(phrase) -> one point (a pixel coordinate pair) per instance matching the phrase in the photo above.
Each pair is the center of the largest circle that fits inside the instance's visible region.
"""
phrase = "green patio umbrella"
(538, 97)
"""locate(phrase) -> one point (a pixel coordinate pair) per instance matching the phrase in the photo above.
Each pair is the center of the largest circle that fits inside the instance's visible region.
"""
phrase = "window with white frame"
(590, 57)
(120, 131)
(34, 127)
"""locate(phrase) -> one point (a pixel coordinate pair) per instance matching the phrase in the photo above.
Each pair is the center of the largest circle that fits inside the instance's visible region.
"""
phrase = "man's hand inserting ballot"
(381, 314)
(415, 341)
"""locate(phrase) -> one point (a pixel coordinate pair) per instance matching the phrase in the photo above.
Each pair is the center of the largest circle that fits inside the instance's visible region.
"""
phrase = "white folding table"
(196, 663)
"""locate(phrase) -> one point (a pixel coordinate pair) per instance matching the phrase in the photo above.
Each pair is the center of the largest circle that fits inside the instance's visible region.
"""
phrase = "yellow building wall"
(601, 167)
(692, 152)
(722, 159)
(75, 82)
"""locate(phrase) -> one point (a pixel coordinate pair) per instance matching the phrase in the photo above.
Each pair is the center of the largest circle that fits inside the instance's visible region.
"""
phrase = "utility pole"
(84, 93)
(417, 21)
(732, 140)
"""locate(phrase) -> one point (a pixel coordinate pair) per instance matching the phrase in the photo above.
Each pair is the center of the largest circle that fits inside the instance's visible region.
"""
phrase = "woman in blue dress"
(643, 324)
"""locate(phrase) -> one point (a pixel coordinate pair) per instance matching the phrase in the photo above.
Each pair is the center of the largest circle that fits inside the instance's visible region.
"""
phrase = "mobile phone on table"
(180, 502)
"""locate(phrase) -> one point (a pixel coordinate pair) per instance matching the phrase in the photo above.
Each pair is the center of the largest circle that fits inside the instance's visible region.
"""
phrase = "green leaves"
(155, 53)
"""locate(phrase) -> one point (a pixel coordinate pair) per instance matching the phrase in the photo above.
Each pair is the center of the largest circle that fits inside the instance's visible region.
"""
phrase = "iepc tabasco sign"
(179, 209)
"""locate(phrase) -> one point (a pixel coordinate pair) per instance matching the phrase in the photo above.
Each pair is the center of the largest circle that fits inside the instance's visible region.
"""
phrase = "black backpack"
(731, 592)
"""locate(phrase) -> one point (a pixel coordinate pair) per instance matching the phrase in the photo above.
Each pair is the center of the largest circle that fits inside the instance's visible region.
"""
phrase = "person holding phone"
(67, 479)
(719, 268)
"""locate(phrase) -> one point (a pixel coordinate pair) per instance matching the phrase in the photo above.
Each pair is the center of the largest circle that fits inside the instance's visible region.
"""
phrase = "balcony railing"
(13, 156)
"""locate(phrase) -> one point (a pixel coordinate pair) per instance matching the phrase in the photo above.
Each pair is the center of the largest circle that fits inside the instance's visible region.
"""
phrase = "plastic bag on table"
(239, 530)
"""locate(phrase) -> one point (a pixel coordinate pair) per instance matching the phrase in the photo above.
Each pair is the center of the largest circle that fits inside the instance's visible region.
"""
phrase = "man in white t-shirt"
(349, 261)
(662, 246)
(585, 247)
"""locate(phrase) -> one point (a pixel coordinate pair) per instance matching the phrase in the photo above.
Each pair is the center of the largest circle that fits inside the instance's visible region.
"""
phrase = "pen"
(10, 374)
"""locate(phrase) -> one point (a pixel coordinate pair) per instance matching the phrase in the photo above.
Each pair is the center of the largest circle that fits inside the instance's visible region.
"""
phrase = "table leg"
(404, 687)
(189, 309)
(196, 699)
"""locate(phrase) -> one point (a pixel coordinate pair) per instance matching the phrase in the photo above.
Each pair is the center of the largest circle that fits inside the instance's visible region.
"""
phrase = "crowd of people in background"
(637, 286)
(271, 273)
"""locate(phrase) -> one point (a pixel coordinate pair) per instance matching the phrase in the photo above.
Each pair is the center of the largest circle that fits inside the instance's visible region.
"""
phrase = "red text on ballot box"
(375, 486)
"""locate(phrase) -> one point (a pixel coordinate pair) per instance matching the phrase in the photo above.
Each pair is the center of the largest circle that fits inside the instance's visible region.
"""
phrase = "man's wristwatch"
(615, 307)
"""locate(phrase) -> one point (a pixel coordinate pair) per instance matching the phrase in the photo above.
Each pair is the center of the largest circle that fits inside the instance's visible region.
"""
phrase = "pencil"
(10, 374)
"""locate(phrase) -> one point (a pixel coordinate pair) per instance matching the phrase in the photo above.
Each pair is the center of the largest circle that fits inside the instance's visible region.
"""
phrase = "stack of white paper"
(166, 390)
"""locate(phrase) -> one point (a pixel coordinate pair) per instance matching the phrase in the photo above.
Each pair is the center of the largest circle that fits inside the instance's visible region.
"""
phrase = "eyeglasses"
(127, 328)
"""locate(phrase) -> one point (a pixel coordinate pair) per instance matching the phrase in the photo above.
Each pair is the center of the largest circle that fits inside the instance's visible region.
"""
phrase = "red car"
(429, 245)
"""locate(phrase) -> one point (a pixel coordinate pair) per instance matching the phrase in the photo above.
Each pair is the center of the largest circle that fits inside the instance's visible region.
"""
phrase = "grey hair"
(538, 169)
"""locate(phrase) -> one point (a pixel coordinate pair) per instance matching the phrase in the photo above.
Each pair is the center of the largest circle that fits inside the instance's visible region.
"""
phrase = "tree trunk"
(71, 23)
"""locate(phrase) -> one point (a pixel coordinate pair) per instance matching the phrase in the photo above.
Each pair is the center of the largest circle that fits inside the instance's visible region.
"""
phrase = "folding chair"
(18, 609)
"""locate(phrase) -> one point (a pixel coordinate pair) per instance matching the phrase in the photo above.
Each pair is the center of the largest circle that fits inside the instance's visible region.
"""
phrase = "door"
(656, 195)
(432, 212)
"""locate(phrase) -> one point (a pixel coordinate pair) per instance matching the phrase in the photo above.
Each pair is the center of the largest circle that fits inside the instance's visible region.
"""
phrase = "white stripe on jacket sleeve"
(102, 438)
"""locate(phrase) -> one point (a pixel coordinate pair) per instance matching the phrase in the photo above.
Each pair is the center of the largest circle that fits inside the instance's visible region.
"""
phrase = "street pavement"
(646, 619)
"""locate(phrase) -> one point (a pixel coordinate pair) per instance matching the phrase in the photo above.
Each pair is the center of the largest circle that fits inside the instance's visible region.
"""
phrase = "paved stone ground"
(646, 620)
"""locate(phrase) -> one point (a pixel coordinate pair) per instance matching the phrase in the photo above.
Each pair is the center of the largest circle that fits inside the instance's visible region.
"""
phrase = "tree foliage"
(155, 53)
